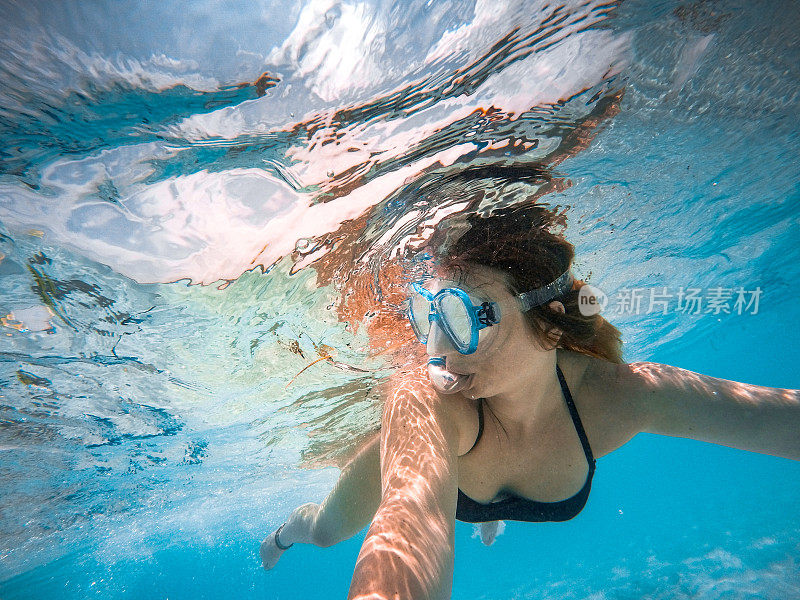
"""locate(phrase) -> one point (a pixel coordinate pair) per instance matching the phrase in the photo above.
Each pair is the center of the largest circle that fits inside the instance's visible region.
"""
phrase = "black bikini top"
(517, 508)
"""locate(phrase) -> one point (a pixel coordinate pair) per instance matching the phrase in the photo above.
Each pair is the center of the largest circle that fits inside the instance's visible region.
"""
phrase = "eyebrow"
(467, 278)
(460, 274)
(478, 291)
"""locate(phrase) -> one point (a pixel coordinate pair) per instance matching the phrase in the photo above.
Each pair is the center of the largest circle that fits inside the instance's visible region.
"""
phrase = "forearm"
(354, 499)
(764, 420)
(739, 415)
(391, 567)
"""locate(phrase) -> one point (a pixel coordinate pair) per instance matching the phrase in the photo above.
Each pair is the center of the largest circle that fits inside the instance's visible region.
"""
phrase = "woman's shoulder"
(588, 378)
(464, 413)
(608, 414)
(581, 371)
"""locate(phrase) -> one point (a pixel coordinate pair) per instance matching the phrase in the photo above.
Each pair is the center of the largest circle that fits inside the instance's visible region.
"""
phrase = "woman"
(521, 395)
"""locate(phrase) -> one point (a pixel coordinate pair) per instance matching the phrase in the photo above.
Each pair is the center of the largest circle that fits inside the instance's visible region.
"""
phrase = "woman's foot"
(296, 529)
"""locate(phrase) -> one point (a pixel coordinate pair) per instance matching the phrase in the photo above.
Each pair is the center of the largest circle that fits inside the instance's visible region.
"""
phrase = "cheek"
(494, 376)
(501, 355)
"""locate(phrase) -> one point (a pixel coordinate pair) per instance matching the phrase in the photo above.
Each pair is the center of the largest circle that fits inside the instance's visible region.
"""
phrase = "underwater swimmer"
(521, 395)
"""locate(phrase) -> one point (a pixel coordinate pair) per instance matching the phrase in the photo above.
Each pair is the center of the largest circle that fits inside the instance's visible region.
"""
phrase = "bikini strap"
(576, 419)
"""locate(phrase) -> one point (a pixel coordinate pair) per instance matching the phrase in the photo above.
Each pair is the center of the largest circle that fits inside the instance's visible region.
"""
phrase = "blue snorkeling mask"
(461, 320)
(453, 310)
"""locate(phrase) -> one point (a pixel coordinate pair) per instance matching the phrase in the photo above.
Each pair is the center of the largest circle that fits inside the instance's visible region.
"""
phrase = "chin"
(486, 389)
(476, 390)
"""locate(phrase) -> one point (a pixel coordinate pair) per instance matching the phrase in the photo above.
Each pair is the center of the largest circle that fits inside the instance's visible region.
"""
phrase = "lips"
(458, 371)
(445, 380)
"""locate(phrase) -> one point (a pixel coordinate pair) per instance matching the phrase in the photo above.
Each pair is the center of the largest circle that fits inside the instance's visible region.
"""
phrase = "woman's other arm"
(352, 503)
(676, 402)
(408, 551)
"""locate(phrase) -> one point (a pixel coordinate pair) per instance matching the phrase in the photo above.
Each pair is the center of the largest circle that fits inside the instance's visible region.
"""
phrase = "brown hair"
(527, 245)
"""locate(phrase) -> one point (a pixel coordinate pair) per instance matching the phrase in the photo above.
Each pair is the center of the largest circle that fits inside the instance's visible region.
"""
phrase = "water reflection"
(136, 164)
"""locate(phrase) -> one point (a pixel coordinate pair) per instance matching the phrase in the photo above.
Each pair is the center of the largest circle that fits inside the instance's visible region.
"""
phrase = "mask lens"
(455, 314)
(419, 309)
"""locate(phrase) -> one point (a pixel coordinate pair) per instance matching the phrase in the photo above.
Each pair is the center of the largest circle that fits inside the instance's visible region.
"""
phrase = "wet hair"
(527, 245)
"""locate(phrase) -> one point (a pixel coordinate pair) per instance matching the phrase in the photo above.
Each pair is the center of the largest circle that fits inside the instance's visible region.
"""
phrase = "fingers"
(489, 532)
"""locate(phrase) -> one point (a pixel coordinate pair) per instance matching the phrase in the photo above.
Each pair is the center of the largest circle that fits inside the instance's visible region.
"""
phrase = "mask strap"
(546, 293)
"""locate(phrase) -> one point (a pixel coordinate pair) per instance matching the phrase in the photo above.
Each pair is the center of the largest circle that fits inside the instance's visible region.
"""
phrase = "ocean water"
(205, 213)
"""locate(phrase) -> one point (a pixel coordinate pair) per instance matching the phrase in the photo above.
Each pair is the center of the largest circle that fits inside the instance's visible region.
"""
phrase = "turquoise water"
(172, 241)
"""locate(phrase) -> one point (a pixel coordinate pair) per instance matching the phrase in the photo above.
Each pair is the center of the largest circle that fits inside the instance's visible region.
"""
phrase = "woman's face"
(503, 350)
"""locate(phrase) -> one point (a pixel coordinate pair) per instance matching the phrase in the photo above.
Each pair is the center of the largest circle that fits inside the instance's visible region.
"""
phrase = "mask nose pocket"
(438, 342)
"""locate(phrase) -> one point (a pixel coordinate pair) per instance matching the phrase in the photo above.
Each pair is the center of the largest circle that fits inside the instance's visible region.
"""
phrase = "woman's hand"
(490, 530)
(298, 528)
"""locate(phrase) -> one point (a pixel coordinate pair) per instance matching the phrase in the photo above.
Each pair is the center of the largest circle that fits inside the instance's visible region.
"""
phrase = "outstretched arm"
(408, 551)
(680, 403)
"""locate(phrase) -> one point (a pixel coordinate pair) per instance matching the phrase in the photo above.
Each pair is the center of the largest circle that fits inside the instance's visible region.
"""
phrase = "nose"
(438, 343)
